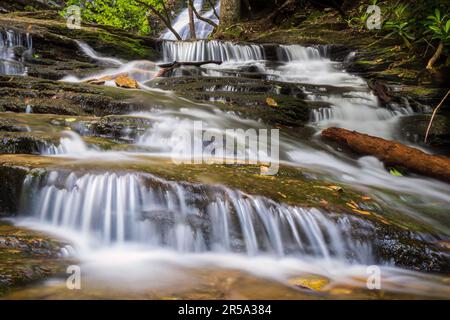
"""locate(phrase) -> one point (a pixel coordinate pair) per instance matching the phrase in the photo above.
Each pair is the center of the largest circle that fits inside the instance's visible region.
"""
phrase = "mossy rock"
(27, 256)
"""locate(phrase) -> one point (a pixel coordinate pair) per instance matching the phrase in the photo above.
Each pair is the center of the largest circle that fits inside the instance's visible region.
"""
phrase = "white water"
(87, 50)
(139, 223)
(357, 110)
(9, 41)
(119, 208)
(70, 143)
(266, 231)
(211, 50)
(181, 23)
(140, 70)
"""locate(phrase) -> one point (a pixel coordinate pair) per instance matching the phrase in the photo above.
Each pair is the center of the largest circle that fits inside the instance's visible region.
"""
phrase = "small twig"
(432, 116)
(429, 45)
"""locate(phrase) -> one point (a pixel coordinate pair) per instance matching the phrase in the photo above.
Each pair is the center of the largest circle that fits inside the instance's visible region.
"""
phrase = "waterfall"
(357, 109)
(139, 70)
(202, 29)
(120, 208)
(211, 50)
(289, 53)
(9, 41)
(87, 50)
(70, 144)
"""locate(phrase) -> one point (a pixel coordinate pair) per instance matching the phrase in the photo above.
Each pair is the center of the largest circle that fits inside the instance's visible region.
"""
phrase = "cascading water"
(188, 225)
(202, 29)
(10, 41)
(107, 210)
(132, 208)
(211, 50)
(356, 110)
(141, 71)
(70, 144)
(95, 56)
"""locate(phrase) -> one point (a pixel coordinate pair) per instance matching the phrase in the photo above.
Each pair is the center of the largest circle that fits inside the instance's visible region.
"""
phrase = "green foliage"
(419, 24)
(359, 20)
(400, 24)
(439, 26)
(124, 14)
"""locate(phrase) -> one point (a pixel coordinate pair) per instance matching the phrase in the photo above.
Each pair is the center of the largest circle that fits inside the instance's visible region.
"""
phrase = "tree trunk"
(163, 17)
(200, 17)
(193, 35)
(230, 12)
(435, 56)
(392, 153)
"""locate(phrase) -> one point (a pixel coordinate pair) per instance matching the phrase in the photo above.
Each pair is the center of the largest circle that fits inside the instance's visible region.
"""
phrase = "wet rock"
(119, 127)
(9, 125)
(413, 128)
(22, 143)
(54, 97)
(247, 97)
(27, 256)
(55, 54)
(11, 188)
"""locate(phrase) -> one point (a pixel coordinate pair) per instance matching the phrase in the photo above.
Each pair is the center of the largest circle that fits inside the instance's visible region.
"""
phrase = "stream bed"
(140, 227)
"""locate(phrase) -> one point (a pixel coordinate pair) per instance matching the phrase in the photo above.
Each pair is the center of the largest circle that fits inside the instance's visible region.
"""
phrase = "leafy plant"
(439, 26)
(360, 20)
(399, 25)
(402, 30)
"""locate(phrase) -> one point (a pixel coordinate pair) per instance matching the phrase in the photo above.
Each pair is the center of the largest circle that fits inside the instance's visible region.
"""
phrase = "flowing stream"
(10, 41)
(192, 224)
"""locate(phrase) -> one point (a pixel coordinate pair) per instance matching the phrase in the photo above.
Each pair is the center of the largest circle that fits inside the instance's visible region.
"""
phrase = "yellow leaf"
(282, 194)
(351, 205)
(271, 102)
(311, 282)
(336, 188)
(367, 213)
(340, 291)
(71, 119)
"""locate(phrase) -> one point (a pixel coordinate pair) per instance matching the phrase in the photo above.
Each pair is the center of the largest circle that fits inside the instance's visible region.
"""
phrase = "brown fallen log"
(392, 153)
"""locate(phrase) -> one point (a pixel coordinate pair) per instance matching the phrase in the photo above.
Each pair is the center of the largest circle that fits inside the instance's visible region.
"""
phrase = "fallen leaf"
(366, 213)
(282, 194)
(336, 188)
(126, 82)
(271, 102)
(340, 291)
(313, 283)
